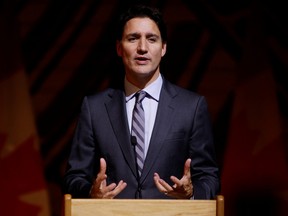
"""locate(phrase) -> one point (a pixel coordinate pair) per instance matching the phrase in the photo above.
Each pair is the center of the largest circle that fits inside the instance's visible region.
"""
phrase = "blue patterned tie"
(138, 129)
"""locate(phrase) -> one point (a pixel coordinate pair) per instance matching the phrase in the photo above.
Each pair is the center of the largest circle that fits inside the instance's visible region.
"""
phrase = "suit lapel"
(118, 117)
(162, 124)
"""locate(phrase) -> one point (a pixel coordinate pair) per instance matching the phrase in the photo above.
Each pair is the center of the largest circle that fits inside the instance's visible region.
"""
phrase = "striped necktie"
(138, 129)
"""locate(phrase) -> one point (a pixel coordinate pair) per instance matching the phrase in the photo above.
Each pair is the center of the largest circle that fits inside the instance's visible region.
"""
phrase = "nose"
(142, 46)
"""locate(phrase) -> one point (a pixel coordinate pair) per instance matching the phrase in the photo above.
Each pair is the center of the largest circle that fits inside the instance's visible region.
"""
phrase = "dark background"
(232, 52)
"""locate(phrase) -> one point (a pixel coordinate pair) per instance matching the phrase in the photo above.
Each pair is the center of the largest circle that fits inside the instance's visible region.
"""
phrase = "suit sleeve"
(204, 169)
(81, 163)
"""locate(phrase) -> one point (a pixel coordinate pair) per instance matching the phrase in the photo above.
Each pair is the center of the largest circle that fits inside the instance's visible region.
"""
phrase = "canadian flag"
(22, 184)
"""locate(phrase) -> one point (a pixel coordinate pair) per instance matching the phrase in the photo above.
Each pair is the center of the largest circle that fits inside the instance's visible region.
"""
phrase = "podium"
(142, 207)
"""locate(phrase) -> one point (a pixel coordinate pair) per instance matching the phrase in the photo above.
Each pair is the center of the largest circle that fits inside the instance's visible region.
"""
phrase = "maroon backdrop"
(233, 52)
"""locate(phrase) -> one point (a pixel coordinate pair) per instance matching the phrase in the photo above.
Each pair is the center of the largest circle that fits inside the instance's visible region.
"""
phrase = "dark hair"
(140, 10)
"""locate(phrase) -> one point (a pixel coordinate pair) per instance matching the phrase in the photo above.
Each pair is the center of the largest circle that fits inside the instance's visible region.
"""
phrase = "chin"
(144, 74)
(144, 71)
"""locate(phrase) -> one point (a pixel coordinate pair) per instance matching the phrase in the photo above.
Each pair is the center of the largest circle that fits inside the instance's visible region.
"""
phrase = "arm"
(202, 170)
(84, 162)
(82, 159)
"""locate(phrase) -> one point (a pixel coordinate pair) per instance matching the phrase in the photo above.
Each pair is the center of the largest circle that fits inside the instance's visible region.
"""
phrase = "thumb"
(187, 166)
(103, 166)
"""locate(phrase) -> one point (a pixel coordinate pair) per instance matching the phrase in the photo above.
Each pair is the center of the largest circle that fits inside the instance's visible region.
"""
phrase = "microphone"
(133, 140)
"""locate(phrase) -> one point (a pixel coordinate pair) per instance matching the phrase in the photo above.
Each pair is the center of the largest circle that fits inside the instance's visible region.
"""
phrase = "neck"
(142, 81)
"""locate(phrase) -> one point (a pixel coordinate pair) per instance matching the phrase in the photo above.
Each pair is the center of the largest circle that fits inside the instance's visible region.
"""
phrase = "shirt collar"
(153, 89)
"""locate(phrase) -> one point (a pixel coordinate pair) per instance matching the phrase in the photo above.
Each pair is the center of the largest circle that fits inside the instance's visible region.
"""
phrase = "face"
(141, 49)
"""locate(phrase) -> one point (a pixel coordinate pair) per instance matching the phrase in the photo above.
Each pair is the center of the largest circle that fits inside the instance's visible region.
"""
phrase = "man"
(157, 147)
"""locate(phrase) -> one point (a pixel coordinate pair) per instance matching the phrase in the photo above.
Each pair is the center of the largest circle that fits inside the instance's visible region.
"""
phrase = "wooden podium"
(142, 207)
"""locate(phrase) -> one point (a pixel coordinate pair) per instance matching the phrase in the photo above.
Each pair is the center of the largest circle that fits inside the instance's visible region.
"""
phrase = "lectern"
(142, 207)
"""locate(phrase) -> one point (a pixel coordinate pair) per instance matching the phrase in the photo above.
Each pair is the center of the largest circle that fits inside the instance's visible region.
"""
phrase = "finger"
(108, 188)
(101, 176)
(103, 184)
(156, 180)
(97, 186)
(187, 166)
(120, 187)
(177, 182)
(114, 191)
(157, 183)
(103, 166)
(186, 175)
(156, 176)
(100, 181)
(166, 186)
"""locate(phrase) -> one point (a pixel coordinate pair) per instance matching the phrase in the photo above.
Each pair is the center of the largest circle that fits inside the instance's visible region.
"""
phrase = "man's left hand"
(182, 188)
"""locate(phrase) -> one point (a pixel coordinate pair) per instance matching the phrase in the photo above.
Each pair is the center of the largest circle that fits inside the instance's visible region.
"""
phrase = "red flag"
(22, 185)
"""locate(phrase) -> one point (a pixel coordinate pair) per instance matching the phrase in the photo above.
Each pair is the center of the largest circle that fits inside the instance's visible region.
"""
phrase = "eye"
(132, 39)
(152, 40)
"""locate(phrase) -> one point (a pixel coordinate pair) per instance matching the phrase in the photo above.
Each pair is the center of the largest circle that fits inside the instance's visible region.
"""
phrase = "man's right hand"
(100, 190)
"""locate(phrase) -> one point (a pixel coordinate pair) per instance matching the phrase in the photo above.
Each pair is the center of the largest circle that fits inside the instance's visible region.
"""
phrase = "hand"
(182, 188)
(100, 189)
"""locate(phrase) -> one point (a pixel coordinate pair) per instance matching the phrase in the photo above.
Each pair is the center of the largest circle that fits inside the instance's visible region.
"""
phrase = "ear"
(119, 48)
(164, 46)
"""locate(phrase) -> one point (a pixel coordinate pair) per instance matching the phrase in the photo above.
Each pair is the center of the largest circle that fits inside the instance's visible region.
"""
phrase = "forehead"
(141, 25)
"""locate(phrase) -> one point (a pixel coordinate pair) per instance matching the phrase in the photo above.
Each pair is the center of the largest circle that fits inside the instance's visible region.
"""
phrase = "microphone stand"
(138, 194)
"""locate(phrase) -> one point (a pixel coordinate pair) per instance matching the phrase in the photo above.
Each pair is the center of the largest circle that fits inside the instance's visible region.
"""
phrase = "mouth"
(141, 60)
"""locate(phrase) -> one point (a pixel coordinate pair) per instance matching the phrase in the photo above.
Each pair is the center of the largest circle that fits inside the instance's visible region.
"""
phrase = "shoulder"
(180, 92)
(103, 97)
(106, 94)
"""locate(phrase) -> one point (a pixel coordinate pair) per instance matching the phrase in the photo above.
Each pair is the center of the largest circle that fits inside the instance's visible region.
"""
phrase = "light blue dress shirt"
(149, 103)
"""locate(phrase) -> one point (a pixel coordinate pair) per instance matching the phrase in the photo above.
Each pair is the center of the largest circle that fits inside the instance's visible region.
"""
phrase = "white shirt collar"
(153, 89)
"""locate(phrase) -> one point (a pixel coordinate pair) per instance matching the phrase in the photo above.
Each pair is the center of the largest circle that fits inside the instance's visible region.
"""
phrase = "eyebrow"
(152, 35)
(136, 34)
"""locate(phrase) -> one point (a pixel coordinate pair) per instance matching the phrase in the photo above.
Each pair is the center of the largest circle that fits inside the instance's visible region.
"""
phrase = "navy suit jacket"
(182, 130)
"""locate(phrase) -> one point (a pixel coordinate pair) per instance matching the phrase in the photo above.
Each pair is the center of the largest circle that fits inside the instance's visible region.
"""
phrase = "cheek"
(158, 54)
(126, 53)
(126, 58)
